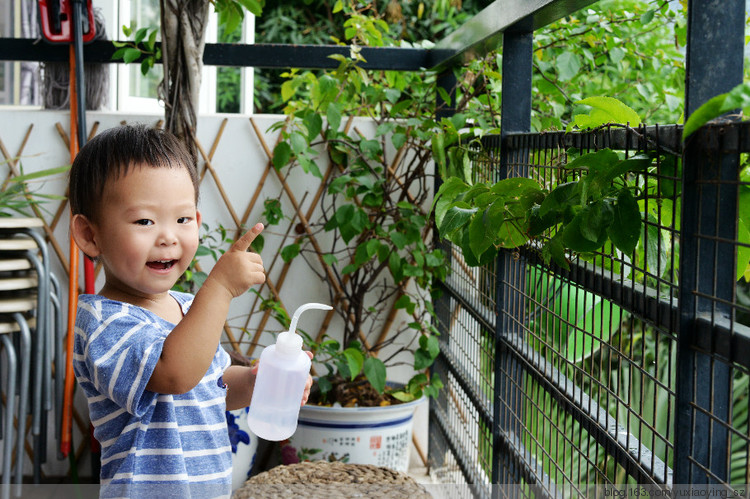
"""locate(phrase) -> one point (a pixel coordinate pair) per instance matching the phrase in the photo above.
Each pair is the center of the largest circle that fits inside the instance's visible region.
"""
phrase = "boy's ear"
(83, 233)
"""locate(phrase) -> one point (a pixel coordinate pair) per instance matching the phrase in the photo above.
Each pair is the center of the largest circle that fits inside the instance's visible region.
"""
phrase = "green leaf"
(298, 142)
(370, 148)
(598, 319)
(743, 234)
(507, 219)
(456, 217)
(652, 248)
(140, 35)
(600, 160)
(398, 239)
(395, 264)
(625, 229)
(413, 271)
(637, 163)
(743, 252)
(595, 219)
(253, 6)
(333, 115)
(350, 221)
(288, 89)
(480, 237)
(289, 252)
(438, 153)
(402, 396)
(118, 54)
(606, 110)
(324, 384)
(647, 17)
(405, 302)
(574, 239)
(282, 153)
(202, 251)
(39, 174)
(309, 166)
(131, 55)
(257, 244)
(314, 123)
(152, 39)
(738, 97)
(398, 140)
(365, 252)
(567, 65)
(515, 186)
(554, 250)
(430, 344)
(422, 359)
(447, 193)
(354, 361)
(617, 54)
(561, 197)
(146, 65)
(375, 373)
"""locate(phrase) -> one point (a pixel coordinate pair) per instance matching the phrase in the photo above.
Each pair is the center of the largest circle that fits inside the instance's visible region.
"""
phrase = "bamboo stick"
(218, 182)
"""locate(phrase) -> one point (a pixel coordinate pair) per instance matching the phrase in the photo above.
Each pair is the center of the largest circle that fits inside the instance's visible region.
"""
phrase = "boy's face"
(147, 230)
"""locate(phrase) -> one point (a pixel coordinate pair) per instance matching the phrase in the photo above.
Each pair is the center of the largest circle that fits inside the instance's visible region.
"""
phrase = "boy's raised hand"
(238, 268)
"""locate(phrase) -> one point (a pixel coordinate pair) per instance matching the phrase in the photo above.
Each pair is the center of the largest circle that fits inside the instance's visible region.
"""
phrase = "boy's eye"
(184, 220)
(144, 221)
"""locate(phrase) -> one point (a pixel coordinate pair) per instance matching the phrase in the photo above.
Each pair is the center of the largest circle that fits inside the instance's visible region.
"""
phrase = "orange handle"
(67, 409)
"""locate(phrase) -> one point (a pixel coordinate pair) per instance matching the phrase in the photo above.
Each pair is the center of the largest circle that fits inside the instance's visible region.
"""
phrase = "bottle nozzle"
(302, 308)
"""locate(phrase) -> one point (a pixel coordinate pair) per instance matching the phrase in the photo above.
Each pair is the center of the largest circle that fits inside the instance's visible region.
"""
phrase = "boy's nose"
(167, 238)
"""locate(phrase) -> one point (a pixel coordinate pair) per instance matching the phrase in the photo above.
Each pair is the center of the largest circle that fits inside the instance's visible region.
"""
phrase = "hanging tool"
(56, 18)
(72, 22)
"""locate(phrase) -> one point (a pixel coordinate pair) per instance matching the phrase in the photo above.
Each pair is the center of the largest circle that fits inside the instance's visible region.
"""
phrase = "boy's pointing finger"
(244, 242)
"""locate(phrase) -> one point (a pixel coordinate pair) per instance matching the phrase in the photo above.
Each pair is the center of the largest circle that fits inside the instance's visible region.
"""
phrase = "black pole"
(709, 194)
(515, 112)
(80, 78)
(80, 90)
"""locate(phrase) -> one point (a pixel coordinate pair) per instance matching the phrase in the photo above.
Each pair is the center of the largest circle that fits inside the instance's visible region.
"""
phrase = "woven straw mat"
(331, 480)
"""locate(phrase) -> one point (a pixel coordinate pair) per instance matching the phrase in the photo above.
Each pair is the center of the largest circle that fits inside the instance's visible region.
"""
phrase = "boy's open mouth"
(161, 264)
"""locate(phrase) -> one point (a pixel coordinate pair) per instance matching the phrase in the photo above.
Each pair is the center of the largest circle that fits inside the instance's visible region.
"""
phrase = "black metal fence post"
(515, 115)
(709, 219)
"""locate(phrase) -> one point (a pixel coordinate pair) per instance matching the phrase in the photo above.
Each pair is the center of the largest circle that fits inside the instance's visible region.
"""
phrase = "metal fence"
(572, 382)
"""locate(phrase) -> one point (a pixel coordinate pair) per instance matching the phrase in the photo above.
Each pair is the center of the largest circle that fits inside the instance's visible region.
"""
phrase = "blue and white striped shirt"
(178, 443)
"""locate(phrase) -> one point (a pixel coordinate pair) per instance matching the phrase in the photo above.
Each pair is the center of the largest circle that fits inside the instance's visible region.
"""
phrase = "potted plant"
(368, 239)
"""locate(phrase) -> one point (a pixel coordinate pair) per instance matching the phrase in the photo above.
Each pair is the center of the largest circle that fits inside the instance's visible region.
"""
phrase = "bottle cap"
(289, 342)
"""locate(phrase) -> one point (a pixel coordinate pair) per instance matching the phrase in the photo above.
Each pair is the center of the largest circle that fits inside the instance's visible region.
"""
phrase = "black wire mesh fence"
(581, 381)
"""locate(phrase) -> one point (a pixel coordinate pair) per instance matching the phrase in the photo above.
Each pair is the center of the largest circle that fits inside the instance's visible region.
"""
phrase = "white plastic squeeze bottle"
(282, 374)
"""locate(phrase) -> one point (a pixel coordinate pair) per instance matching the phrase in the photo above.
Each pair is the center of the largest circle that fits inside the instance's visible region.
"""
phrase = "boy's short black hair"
(113, 152)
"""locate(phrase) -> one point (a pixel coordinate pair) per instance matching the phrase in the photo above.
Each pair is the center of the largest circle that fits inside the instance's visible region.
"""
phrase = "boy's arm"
(240, 381)
(190, 347)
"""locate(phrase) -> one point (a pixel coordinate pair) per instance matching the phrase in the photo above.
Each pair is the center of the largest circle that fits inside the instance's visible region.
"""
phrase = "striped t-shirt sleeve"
(119, 366)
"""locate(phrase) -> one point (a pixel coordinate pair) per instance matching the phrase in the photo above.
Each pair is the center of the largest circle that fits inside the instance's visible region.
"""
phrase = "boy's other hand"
(308, 384)
(238, 269)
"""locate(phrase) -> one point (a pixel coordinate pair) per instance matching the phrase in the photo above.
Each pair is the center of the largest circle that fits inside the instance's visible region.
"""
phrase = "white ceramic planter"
(359, 435)
(244, 446)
